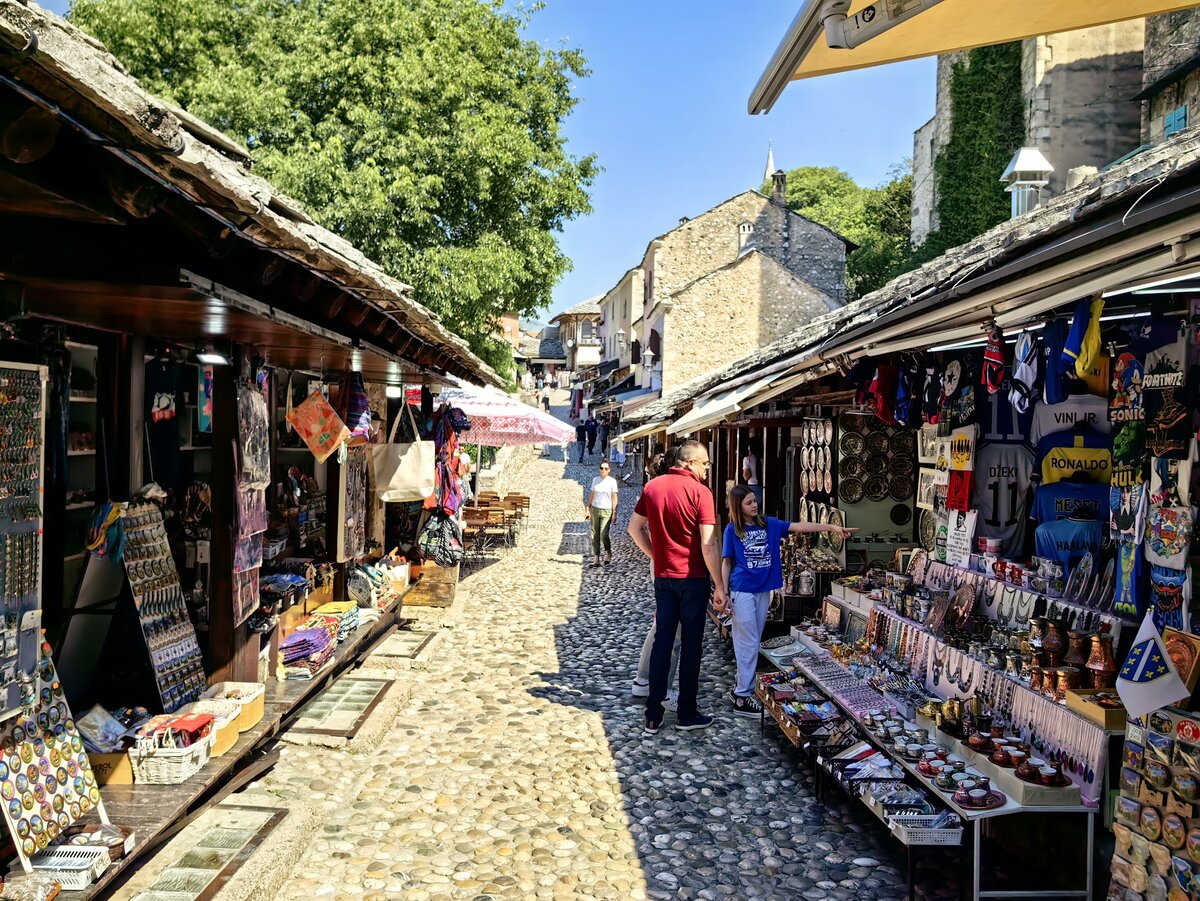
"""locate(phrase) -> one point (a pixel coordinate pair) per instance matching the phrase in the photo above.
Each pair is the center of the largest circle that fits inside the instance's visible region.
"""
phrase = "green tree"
(426, 132)
(878, 219)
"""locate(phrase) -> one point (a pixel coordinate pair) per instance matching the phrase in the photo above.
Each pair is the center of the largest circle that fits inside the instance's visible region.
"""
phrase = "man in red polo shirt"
(674, 524)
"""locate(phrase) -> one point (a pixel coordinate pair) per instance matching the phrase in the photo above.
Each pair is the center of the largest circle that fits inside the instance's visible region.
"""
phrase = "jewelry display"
(22, 418)
(170, 637)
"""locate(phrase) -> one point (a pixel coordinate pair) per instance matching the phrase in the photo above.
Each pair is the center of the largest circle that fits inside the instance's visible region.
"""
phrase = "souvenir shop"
(1026, 504)
(203, 446)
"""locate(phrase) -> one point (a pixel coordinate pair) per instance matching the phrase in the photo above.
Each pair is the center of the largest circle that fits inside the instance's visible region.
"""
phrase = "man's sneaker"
(671, 701)
(748, 707)
(693, 722)
(652, 727)
(641, 689)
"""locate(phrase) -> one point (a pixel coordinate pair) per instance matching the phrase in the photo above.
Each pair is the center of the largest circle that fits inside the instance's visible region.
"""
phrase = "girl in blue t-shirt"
(752, 567)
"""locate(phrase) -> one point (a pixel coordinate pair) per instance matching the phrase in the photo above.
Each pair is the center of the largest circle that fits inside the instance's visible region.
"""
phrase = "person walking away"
(751, 568)
(546, 400)
(580, 437)
(601, 508)
(674, 524)
(541, 383)
(751, 464)
(602, 436)
(590, 426)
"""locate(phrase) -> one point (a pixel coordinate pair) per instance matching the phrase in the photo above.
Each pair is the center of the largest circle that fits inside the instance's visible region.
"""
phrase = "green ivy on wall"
(987, 128)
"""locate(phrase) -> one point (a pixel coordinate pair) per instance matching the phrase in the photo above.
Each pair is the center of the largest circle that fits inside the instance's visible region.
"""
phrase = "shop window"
(1174, 121)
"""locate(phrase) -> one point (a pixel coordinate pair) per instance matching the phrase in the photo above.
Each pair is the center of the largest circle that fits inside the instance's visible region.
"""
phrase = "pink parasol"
(498, 420)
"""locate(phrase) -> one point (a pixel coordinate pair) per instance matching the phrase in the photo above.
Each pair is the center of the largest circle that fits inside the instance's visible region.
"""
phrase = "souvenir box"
(112, 769)
(1019, 790)
(1109, 718)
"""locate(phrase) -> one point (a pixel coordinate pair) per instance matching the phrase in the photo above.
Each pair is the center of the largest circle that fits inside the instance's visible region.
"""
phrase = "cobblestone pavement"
(519, 769)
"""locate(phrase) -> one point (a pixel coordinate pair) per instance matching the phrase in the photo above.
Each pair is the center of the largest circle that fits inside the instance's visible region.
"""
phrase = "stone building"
(1079, 92)
(579, 332)
(1171, 78)
(721, 285)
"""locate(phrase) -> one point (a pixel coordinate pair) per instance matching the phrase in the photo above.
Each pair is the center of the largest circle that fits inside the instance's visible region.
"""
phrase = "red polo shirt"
(676, 505)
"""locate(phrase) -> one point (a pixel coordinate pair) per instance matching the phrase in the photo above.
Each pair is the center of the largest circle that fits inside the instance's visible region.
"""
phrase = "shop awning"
(643, 430)
(623, 385)
(628, 401)
(716, 408)
(926, 28)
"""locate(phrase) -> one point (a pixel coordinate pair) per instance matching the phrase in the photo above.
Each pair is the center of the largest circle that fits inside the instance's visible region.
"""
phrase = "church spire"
(770, 164)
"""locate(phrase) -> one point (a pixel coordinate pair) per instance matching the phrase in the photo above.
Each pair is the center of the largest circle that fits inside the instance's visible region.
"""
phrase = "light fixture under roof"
(395, 391)
(210, 357)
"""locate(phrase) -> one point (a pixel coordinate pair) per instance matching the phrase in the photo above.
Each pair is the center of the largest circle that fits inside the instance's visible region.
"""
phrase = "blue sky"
(665, 111)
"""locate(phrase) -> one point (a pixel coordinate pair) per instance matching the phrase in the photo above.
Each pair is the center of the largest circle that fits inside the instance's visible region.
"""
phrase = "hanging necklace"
(1025, 609)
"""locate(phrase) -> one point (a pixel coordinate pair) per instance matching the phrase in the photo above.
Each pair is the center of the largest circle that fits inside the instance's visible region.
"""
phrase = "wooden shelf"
(81, 453)
(82, 399)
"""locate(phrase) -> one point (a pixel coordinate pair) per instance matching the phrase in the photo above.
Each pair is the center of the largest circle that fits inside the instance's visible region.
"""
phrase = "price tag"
(202, 552)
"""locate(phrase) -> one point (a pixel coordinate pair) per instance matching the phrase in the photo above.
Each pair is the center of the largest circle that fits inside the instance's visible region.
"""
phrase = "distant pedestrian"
(546, 400)
(751, 568)
(602, 436)
(581, 437)
(541, 383)
(590, 428)
(601, 508)
(674, 524)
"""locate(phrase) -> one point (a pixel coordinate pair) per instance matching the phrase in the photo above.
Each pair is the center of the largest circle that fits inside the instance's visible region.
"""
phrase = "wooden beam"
(274, 268)
(305, 285)
(139, 197)
(394, 333)
(357, 314)
(224, 244)
(27, 134)
(333, 305)
(376, 322)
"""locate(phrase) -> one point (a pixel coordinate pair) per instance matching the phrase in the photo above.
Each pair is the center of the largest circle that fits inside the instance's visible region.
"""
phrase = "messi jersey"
(1003, 474)
(1066, 498)
(1063, 454)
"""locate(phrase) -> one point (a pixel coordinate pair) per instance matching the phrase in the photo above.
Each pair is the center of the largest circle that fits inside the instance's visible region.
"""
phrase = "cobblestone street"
(517, 768)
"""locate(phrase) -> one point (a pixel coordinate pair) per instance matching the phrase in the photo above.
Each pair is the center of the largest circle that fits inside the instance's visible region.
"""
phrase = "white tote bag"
(404, 472)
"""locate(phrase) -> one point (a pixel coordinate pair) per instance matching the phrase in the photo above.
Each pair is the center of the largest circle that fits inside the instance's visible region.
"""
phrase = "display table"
(157, 812)
(975, 818)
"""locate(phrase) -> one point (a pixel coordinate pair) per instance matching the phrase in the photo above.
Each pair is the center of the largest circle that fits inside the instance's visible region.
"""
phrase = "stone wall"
(711, 241)
(1078, 88)
(733, 312)
(1171, 40)
(928, 141)
(620, 308)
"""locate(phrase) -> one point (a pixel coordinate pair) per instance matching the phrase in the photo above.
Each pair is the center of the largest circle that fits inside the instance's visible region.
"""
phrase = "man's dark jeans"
(681, 603)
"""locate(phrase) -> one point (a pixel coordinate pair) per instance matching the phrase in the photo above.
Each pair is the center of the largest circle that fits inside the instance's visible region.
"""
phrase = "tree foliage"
(877, 219)
(426, 132)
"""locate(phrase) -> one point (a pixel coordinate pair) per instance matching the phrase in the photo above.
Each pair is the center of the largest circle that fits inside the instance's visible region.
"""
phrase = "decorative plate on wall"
(928, 530)
(828, 482)
(876, 488)
(904, 442)
(853, 444)
(900, 488)
(877, 443)
(902, 466)
(836, 541)
(828, 433)
(851, 490)
(851, 423)
(852, 467)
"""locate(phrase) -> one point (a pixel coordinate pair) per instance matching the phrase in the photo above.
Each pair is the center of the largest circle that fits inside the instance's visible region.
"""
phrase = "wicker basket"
(914, 830)
(225, 721)
(252, 701)
(158, 765)
(72, 867)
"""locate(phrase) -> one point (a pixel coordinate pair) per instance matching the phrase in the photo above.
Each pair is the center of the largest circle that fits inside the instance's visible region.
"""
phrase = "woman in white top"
(601, 505)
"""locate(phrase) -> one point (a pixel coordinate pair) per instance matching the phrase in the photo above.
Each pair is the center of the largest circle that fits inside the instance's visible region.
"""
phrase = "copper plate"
(804, 482)
(904, 442)
(876, 488)
(902, 466)
(900, 488)
(806, 458)
(852, 467)
(853, 445)
(928, 530)
(836, 541)
(877, 443)
(851, 423)
(828, 482)
(828, 430)
(877, 465)
(851, 490)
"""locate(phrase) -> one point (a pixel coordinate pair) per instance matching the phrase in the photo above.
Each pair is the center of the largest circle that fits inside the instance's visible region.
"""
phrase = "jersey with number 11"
(1003, 473)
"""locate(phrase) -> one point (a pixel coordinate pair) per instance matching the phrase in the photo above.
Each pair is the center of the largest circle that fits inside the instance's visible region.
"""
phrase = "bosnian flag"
(1148, 679)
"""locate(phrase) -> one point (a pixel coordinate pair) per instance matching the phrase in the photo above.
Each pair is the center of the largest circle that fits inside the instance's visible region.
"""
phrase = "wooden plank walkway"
(436, 587)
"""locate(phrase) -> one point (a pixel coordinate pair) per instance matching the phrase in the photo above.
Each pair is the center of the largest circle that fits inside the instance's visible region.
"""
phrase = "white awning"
(932, 27)
(643, 430)
(718, 406)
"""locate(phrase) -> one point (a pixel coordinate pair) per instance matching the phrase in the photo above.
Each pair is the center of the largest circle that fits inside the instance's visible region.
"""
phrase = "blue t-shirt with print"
(757, 565)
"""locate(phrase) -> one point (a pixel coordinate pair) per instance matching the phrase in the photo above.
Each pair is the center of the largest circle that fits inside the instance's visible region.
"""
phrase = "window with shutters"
(1174, 121)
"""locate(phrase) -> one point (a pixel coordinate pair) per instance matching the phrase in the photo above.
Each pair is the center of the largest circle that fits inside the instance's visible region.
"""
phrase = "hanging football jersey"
(883, 392)
(1063, 454)
(1125, 390)
(1067, 540)
(1165, 390)
(1097, 375)
(1003, 474)
(1171, 480)
(908, 394)
(1058, 369)
(1000, 422)
(1168, 535)
(1026, 371)
(1127, 512)
(1082, 347)
(1127, 595)
(1171, 596)
(1065, 498)
(1087, 409)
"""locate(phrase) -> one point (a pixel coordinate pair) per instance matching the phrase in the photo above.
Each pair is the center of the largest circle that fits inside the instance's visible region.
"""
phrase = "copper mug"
(1068, 678)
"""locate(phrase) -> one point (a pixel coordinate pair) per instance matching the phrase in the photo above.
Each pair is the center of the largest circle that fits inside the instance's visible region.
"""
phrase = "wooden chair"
(499, 526)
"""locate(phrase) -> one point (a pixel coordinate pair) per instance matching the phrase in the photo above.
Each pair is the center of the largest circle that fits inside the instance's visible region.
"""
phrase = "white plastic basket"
(73, 867)
(914, 830)
(158, 765)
